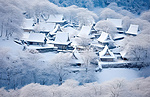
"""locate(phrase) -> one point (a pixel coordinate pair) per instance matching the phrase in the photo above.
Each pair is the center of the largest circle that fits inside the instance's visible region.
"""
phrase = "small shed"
(133, 30)
(106, 55)
(105, 38)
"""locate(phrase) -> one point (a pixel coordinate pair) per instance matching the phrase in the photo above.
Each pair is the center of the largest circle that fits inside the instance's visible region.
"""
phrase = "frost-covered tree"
(70, 88)
(79, 15)
(88, 57)
(11, 20)
(85, 19)
(109, 13)
(106, 26)
(146, 15)
(58, 63)
(143, 24)
(137, 48)
(83, 41)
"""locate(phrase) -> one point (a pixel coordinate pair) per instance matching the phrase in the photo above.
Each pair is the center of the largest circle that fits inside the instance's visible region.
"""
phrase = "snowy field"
(116, 73)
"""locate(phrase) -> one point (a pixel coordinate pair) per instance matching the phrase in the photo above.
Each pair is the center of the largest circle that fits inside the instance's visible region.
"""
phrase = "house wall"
(27, 30)
(35, 43)
(61, 47)
(107, 59)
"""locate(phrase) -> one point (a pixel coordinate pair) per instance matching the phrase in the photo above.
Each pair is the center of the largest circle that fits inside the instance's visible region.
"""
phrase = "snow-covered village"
(78, 48)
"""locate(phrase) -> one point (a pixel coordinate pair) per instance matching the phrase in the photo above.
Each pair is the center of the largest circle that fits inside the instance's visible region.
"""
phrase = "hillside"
(135, 6)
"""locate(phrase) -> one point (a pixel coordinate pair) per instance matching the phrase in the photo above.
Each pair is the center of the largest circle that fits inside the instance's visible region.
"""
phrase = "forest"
(29, 73)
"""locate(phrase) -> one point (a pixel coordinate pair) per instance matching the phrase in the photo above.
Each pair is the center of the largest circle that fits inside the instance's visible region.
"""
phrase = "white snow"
(46, 27)
(40, 47)
(72, 32)
(85, 31)
(77, 57)
(116, 22)
(133, 29)
(102, 54)
(36, 37)
(117, 73)
(119, 36)
(104, 38)
(25, 36)
(28, 24)
(61, 38)
(55, 18)
(53, 32)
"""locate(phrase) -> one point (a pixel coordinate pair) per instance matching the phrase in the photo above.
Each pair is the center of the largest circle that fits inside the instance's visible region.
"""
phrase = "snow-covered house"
(84, 32)
(57, 18)
(62, 41)
(39, 42)
(106, 55)
(36, 39)
(28, 25)
(133, 30)
(46, 27)
(117, 23)
(105, 38)
(76, 57)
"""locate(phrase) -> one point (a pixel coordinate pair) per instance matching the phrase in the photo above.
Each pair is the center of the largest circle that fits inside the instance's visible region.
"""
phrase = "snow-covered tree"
(88, 57)
(79, 15)
(106, 26)
(11, 20)
(137, 48)
(70, 88)
(146, 15)
(109, 13)
(58, 63)
(83, 41)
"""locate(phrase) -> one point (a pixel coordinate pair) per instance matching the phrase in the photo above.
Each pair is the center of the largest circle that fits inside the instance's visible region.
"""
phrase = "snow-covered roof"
(104, 38)
(57, 28)
(125, 54)
(77, 56)
(85, 31)
(25, 36)
(106, 53)
(67, 25)
(36, 37)
(72, 32)
(61, 38)
(116, 22)
(46, 27)
(55, 18)
(119, 36)
(28, 24)
(133, 29)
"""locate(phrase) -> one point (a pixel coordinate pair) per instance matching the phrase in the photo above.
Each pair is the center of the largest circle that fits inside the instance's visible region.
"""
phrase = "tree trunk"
(1, 30)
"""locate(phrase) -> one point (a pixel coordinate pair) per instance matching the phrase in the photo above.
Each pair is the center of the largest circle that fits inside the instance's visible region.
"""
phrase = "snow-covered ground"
(38, 69)
(117, 73)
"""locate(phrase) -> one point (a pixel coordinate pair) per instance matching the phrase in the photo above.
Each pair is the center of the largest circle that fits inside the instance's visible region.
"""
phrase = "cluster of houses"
(56, 34)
